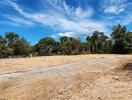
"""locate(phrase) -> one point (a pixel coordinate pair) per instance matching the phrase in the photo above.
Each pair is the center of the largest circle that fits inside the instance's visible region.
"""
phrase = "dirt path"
(113, 85)
(83, 78)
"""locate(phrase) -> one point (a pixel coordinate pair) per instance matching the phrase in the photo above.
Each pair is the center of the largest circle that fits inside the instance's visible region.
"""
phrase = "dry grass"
(83, 77)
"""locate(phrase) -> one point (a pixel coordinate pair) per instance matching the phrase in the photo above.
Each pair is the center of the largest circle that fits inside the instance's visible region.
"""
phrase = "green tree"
(85, 48)
(22, 48)
(11, 39)
(3, 48)
(98, 42)
(94, 42)
(63, 39)
(46, 46)
(70, 46)
(16, 45)
(119, 36)
(129, 41)
(119, 42)
(103, 43)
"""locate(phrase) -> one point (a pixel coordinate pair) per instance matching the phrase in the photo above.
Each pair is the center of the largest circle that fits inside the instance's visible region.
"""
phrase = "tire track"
(73, 78)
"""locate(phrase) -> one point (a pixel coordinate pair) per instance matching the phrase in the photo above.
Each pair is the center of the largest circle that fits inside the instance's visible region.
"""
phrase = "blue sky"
(35, 19)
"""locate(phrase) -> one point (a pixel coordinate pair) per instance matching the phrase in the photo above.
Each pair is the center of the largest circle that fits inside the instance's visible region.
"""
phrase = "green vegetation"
(120, 42)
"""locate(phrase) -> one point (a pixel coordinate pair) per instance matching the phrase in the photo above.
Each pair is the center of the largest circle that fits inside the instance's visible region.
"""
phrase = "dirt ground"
(82, 77)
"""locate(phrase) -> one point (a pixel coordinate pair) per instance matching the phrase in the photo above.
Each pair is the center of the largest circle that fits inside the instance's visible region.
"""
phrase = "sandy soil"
(82, 77)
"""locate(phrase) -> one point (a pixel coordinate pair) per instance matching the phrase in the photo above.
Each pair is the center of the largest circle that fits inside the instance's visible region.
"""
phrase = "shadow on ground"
(128, 66)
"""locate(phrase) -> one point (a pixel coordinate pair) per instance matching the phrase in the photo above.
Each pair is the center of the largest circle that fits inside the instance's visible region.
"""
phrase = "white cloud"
(68, 34)
(114, 2)
(16, 21)
(114, 6)
(79, 24)
(9, 23)
(16, 7)
(114, 10)
(126, 20)
(20, 21)
(83, 14)
(60, 6)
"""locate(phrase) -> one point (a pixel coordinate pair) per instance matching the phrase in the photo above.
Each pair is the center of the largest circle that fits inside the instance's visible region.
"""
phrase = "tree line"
(119, 42)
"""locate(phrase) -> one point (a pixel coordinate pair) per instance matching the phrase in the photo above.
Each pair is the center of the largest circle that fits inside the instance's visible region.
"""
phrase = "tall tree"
(22, 48)
(119, 36)
(70, 46)
(98, 42)
(11, 39)
(129, 41)
(46, 46)
(3, 48)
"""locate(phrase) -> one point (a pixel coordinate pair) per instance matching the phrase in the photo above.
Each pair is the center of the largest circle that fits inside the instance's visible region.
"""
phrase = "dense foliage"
(120, 42)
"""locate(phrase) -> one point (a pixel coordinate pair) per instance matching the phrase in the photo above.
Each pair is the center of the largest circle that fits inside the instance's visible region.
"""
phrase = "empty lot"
(82, 77)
